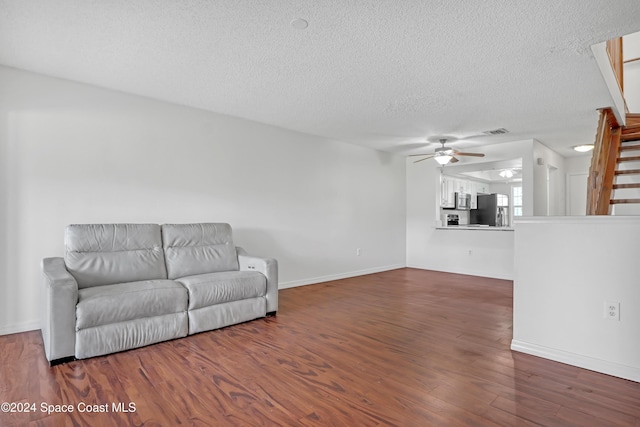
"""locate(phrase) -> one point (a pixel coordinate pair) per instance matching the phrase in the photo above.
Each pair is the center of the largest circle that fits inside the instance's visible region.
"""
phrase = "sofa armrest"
(266, 266)
(59, 321)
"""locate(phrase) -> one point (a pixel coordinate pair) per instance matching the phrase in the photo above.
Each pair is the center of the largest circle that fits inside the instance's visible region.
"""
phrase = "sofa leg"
(55, 362)
(271, 313)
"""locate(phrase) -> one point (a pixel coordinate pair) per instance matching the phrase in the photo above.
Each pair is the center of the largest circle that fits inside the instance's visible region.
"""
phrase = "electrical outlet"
(470, 252)
(612, 310)
(358, 251)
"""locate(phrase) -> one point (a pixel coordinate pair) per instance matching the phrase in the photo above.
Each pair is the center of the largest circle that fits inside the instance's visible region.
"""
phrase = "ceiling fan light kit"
(443, 158)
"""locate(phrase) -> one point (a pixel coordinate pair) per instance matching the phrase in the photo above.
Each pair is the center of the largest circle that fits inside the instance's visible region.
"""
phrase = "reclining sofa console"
(123, 286)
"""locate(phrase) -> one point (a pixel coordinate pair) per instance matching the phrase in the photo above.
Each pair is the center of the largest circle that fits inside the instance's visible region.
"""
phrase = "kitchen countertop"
(473, 227)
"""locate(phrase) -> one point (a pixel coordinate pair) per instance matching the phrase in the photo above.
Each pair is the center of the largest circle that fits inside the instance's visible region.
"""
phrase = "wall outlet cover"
(612, 310)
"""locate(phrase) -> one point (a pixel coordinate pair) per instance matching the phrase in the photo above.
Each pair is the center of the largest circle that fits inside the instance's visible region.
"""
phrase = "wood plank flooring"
(401, 348)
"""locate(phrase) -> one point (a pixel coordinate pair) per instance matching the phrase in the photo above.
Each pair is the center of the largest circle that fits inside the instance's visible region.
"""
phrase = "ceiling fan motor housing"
(443, 150)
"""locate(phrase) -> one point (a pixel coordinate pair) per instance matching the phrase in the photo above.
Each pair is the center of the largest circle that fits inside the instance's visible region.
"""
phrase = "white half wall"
(73, 153)
(565, 270)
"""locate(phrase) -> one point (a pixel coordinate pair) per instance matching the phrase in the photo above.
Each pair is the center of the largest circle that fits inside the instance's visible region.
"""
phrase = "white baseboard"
(314, 280)
(467, 272)
(603, 366)
(15, 328)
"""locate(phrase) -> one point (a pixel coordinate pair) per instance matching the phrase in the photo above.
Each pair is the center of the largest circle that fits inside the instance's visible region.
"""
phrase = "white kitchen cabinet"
(468, 187)
(474, 194)
(451, 185)
(447, 192)
(464, 186)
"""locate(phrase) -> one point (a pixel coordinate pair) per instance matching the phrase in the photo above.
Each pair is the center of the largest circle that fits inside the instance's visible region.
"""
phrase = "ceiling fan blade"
(454, 160)
(458, 153)
(426, 158)
(416, 155)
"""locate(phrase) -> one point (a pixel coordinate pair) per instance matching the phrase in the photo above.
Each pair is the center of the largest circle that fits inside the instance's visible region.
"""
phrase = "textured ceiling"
(385, 74)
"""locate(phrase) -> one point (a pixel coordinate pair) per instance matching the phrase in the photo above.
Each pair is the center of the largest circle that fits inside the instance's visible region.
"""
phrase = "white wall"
(73, 153)
(549, 197)
(565, 270)
(632, 86)
(577, 172)
(503, 188)
(5, 248)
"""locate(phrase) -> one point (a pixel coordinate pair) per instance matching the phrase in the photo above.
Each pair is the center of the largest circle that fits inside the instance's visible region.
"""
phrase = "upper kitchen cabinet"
(448, 187)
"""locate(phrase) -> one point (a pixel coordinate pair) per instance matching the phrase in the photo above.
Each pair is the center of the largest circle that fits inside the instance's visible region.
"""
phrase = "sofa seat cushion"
(216, 288)
(103, 305)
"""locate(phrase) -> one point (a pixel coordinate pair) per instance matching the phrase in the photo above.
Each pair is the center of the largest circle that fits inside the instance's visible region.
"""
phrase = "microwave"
(463, 201)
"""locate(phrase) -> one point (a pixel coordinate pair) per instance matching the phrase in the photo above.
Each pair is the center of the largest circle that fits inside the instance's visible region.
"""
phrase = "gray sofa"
(123, 286)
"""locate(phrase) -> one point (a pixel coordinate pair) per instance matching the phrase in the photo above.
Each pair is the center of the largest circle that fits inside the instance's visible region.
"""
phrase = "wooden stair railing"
(606, 157)
(603, 164)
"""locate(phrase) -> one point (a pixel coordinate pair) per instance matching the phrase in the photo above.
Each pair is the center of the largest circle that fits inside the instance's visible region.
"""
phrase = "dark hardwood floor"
(405, 347)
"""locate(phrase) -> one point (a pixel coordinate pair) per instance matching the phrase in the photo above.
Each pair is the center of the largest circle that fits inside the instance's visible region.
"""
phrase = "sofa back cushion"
(105, 254)
(191, 249)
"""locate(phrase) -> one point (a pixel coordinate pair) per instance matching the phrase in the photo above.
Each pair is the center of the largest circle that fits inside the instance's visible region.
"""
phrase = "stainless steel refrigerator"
(492, 210)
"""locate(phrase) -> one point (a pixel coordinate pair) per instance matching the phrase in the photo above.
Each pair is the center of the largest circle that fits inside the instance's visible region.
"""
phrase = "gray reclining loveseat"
(123, 286)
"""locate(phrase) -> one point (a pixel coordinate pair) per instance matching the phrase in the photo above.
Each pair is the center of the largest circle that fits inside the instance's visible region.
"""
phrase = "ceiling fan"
(444, 155)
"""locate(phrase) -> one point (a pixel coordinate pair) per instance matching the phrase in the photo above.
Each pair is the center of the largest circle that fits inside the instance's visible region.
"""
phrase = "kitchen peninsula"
(473, 227)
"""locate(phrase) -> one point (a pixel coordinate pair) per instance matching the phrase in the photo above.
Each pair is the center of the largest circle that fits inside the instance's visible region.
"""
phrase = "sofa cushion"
(130, 334)
(229, 313)
(104, 254)
(102, 305)
(192, 249)
(216, 288)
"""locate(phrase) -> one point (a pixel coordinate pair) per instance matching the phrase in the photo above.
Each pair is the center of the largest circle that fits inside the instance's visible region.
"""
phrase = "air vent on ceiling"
(500, 131)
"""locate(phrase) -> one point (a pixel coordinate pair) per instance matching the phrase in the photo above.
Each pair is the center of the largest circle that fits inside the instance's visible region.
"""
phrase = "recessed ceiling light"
(299, 23)
(583, 148)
